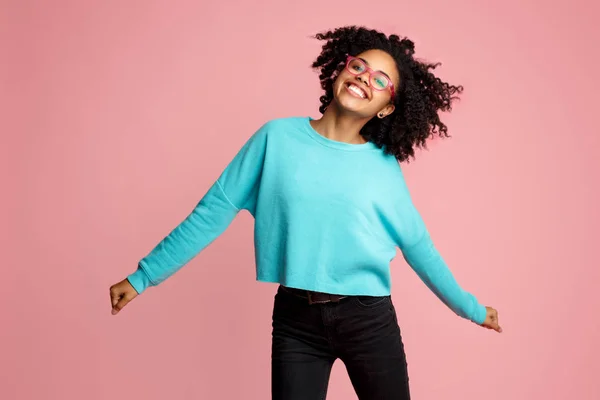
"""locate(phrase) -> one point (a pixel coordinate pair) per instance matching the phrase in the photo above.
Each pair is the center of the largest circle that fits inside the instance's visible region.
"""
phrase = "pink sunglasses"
(379, 81)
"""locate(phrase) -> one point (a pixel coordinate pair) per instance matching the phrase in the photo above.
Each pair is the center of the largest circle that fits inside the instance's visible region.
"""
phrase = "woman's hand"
(120, 295)
(491, 320)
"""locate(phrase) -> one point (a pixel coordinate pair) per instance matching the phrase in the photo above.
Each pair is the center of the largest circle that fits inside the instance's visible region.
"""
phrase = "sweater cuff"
(139, 280)
(480, 314)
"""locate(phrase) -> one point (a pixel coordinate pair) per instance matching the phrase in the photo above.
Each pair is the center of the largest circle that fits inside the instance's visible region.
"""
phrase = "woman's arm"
(429, 265)
(233, 191)
(413, 239)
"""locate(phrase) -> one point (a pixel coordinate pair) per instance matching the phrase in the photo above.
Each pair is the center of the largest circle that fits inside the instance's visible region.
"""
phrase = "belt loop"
(309, 295)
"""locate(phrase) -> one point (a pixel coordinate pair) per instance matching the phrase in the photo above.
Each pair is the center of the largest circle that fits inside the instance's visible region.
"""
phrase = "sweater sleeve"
(234, 190)
(419, 251)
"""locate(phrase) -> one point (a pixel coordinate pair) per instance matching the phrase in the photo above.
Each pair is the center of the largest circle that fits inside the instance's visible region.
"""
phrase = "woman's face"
(355, 92)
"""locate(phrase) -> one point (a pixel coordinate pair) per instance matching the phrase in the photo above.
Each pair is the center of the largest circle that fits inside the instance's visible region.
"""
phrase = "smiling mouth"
(356, 91)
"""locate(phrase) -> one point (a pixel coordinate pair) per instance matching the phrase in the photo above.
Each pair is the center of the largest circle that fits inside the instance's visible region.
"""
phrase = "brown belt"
(314, 297)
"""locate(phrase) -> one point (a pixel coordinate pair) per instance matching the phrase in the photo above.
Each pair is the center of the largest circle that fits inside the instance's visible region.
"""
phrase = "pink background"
(118, 115)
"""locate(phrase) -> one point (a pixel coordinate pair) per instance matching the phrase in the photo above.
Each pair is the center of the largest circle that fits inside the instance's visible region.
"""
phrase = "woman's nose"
(363, 78)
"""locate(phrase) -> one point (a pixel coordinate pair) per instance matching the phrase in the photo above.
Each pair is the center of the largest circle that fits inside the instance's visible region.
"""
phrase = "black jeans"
(361, 331)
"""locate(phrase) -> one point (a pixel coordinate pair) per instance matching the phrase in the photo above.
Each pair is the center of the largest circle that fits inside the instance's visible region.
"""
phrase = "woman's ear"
(387, 110)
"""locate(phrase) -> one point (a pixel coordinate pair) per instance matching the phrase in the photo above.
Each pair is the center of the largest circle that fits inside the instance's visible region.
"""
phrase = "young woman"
(331, 206)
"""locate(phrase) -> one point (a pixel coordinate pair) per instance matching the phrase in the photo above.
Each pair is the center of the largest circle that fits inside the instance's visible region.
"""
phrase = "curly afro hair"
(419, 98)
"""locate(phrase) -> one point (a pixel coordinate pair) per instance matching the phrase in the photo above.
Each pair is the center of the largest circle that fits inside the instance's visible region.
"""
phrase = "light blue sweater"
(328, 218)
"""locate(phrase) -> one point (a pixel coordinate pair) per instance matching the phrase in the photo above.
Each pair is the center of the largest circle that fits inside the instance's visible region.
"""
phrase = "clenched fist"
(120, 295)
(491, 320)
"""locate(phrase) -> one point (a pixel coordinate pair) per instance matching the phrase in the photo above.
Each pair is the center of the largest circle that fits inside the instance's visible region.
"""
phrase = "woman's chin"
(351, 106)
(354, 110)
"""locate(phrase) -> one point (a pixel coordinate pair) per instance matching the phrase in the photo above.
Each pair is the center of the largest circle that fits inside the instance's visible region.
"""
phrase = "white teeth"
(357, 90)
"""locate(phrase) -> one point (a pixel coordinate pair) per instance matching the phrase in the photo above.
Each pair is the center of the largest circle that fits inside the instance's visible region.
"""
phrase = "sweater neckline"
(334, 143)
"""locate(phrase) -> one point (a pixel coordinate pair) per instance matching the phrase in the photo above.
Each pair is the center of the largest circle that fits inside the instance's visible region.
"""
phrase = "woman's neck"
(341, 128)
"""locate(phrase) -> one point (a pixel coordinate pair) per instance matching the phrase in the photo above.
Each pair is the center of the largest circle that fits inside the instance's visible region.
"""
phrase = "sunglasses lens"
(379, 81)
(356, 66)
